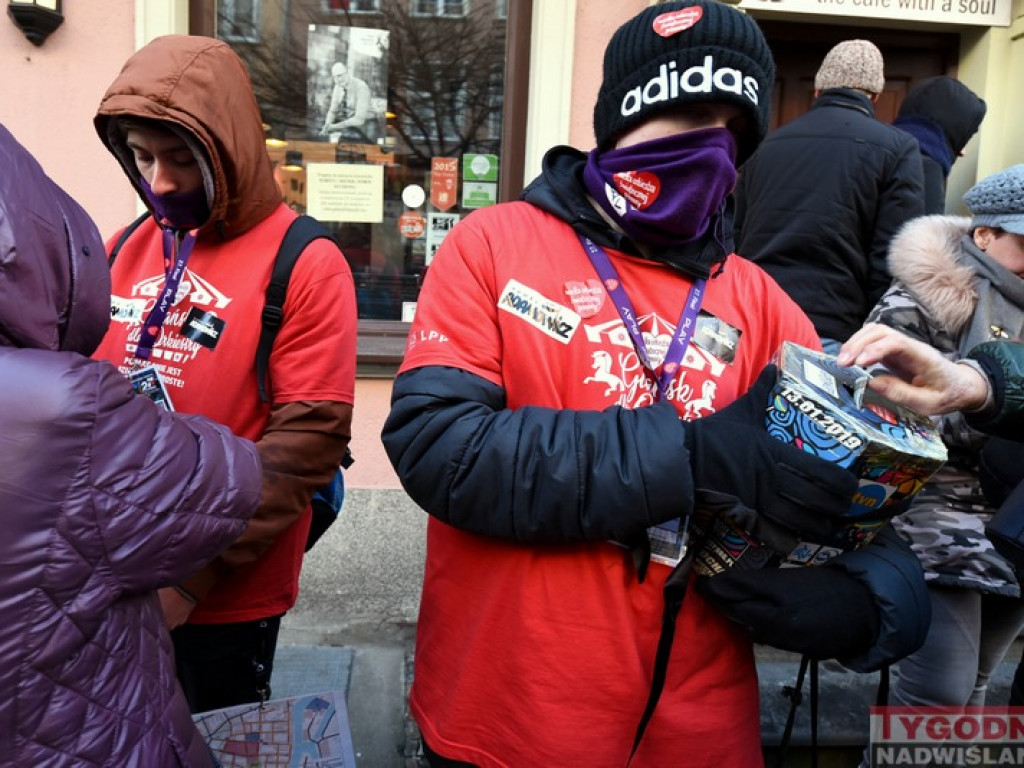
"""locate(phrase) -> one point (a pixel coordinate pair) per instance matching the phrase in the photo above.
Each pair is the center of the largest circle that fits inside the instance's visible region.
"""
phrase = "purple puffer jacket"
(103, 498)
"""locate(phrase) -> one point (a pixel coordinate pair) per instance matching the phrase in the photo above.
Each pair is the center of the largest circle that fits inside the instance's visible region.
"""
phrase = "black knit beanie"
(678, 53)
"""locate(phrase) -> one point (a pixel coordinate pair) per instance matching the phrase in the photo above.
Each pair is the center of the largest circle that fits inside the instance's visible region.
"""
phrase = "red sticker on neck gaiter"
(673, 23)
(641, 189)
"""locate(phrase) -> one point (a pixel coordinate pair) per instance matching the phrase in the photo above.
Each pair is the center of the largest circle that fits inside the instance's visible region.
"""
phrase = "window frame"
(227, 9)
(440, 9)
(351, 10)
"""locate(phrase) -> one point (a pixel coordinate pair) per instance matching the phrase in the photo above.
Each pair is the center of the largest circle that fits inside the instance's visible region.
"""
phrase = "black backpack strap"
(125, 234)
(303, 231)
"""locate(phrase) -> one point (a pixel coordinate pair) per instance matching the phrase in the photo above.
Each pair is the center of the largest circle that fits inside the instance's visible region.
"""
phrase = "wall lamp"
(37, 19)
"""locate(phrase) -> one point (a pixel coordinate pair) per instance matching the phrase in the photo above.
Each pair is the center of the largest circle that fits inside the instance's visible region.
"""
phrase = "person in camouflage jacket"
(958, 283)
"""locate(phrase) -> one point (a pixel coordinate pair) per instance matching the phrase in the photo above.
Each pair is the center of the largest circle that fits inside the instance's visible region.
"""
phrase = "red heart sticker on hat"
(668, 24)
(641, 189)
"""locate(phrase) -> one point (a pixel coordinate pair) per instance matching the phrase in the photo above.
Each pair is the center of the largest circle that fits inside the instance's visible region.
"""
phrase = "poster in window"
(438, 227)
(347, 70)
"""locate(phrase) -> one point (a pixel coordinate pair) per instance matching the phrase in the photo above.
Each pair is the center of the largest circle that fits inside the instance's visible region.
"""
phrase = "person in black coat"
(819, 201)
(942, 114)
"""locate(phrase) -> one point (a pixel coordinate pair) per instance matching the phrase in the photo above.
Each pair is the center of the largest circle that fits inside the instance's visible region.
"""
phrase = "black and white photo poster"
(348, 79)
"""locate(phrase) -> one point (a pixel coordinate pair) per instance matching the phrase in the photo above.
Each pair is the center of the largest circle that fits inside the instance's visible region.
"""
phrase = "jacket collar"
(847, 98)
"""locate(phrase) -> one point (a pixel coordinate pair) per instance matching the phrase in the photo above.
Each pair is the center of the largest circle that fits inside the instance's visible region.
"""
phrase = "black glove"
(818, 611)
(775, 492)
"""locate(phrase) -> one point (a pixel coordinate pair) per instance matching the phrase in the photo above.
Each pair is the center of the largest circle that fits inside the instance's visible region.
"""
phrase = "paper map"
(309, 731)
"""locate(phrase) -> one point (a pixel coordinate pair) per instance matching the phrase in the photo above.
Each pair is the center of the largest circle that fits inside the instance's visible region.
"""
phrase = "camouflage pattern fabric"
(945, 523)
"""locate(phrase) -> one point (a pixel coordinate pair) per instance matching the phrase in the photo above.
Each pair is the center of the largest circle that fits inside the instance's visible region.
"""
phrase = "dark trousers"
(1017, 687)
(221, 665)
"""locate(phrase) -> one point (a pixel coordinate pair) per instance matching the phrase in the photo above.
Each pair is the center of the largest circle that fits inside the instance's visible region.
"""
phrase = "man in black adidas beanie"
(573, 396)
(699, 53)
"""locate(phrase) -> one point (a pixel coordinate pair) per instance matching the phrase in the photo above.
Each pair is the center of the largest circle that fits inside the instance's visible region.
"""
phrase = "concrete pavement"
(375, 677)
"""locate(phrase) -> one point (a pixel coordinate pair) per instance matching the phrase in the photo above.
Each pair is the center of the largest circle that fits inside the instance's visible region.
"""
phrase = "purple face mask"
(665, 191)
(178, 210)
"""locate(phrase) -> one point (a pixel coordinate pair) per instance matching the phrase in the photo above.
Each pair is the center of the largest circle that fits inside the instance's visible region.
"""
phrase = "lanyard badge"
(667, 542)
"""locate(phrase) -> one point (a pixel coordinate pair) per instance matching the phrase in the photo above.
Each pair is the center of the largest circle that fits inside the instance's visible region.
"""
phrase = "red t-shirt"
(313, 359)
(543, 655)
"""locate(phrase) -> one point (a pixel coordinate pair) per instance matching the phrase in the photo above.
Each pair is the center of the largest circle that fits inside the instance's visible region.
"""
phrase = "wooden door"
(799, 49)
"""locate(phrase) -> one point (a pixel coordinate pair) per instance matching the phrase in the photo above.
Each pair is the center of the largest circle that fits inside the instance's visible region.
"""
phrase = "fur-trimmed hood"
(926, 256)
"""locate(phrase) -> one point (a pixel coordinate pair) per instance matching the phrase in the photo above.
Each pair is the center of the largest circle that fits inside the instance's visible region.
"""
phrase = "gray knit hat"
(998, 200)
(852, 64)
(681, 53)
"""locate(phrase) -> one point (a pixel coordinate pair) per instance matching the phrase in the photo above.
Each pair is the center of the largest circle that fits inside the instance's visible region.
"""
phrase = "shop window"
(239, 20)
(385, 120)
(435, 105)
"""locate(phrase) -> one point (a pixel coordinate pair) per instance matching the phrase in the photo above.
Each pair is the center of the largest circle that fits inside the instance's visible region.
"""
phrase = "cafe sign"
(986, 13)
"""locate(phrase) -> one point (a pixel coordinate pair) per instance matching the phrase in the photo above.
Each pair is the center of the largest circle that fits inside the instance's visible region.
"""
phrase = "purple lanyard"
(173, 272)
(684, 330)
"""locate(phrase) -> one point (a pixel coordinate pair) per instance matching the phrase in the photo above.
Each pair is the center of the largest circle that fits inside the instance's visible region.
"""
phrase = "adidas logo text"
(701, 78)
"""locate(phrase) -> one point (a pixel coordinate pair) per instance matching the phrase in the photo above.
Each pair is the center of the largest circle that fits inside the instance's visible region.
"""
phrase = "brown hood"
(201, 87)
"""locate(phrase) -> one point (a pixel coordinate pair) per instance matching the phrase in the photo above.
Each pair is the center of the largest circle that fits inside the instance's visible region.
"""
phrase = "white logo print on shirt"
(621, 374)
(172, 348)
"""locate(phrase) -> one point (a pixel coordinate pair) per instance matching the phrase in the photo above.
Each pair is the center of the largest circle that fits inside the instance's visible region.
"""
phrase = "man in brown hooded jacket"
(188, 286)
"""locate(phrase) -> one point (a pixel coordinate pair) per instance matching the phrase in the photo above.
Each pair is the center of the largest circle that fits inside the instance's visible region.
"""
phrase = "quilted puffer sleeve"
(170, 490)
(1003, 361)
(534, 474)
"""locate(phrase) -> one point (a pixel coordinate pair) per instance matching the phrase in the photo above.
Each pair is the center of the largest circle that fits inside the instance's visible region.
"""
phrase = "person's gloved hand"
(775, 492)
(819, 611)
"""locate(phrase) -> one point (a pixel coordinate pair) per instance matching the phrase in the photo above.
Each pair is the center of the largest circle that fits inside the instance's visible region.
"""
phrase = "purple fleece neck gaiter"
(178, 210)
(665, 191)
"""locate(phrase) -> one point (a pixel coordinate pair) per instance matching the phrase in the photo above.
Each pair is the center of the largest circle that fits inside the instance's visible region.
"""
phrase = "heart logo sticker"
(587, 297)
(668, 24)
(641, 189)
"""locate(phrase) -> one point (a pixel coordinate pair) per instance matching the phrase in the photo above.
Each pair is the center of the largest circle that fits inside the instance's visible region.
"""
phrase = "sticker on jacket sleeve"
(550, 317)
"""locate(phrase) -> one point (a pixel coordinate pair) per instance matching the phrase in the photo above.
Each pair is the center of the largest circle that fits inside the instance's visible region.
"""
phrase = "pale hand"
(922, 379)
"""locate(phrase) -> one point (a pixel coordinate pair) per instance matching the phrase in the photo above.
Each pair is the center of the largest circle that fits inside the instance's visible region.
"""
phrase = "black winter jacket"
(942, 114)
(449, 423)
(819, 201)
